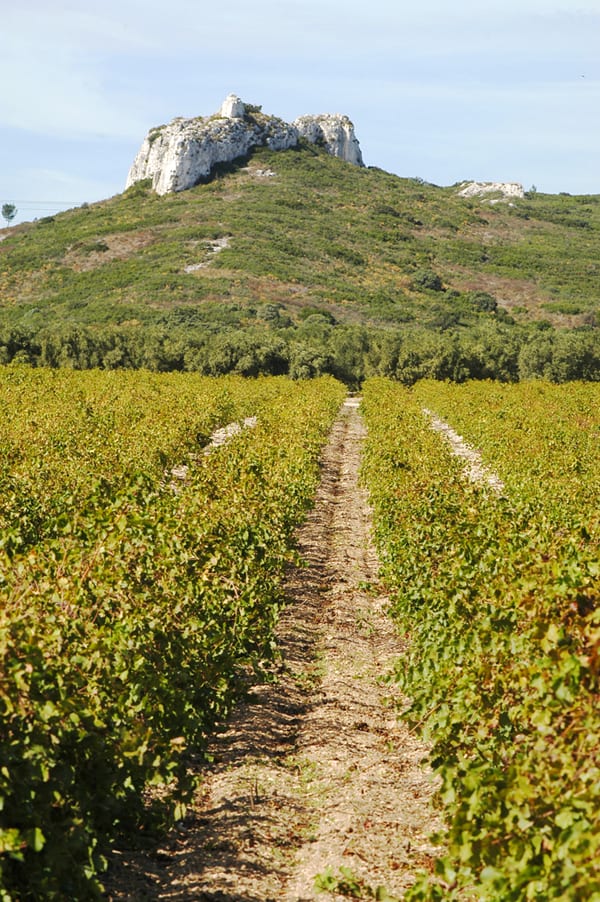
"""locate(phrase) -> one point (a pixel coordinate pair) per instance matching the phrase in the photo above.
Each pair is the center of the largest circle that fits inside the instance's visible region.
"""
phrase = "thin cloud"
(97, 75)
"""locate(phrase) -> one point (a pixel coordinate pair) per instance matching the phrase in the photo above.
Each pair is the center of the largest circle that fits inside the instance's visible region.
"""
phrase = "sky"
(487, 90)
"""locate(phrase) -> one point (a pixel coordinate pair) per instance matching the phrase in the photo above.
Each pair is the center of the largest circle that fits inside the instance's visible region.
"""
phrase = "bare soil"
(314, 771)
(119, 246)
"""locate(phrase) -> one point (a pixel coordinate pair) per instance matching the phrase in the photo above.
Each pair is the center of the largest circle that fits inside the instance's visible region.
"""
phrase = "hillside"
(295, 261)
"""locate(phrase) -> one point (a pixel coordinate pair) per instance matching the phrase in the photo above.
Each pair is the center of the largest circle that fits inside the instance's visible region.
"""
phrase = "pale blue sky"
(490, 90)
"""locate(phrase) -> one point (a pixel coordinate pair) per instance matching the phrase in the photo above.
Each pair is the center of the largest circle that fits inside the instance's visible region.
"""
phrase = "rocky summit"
(184, 153)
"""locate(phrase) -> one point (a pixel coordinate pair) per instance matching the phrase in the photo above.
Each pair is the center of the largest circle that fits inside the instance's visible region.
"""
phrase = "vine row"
(499, 597)
(131, 624)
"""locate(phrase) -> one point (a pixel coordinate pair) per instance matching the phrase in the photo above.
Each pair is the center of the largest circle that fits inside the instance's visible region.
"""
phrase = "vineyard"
(136, 603)
(498, 594)
(142, 573)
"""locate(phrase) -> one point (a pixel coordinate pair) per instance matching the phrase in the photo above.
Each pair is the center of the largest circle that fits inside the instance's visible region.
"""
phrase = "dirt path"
(314, 772)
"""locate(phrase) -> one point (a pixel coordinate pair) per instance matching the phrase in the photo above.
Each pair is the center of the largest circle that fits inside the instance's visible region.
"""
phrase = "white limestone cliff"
(183, 153)
(334, 132)
(507, 190)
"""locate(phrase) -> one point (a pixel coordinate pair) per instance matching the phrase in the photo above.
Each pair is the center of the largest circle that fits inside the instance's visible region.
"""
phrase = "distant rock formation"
(335, 133)
(506, 190)
(183, 153)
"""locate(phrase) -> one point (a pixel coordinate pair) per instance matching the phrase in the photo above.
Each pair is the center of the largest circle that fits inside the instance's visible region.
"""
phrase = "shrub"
(427, 278)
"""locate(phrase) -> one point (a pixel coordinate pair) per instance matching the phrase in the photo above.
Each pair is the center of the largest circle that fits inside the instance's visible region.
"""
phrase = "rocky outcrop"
(501, 190)
(184, 152)
(233, 108)
(333, 132)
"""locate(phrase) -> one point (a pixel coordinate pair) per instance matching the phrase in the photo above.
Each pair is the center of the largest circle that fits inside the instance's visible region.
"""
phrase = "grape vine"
(499, 596)
(134, 615)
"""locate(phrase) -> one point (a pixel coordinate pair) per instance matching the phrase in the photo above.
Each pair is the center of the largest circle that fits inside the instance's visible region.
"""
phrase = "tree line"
(351, 353)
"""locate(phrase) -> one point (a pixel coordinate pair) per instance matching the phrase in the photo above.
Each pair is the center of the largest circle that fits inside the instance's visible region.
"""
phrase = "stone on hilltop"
(483, 189)
(334, 132)
(183, 153)
(233, 108)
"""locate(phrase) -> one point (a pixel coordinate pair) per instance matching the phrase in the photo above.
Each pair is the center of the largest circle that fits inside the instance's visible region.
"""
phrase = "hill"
(296, 261)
